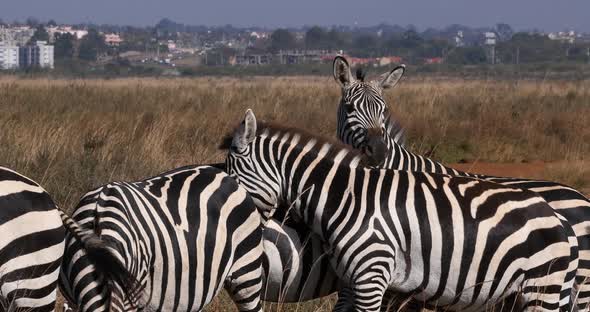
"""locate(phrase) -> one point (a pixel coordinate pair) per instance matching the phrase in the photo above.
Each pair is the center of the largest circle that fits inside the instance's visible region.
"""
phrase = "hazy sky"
(521, 14)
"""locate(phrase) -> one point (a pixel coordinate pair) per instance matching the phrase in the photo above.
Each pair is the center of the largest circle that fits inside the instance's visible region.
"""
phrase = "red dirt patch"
(571, 173)
(520, 170)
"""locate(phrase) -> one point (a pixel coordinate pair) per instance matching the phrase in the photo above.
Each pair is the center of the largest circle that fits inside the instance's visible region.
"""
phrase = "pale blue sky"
(522, 14)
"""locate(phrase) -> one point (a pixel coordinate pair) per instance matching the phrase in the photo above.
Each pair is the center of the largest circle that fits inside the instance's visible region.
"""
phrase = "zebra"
(184, 234)
(364, 122)
(32, 233)
(456, 242)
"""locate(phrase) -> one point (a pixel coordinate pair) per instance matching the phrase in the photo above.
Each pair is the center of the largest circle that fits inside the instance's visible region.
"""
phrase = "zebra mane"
(269, 129)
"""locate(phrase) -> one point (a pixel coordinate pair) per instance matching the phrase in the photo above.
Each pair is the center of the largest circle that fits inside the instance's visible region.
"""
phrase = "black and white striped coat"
(455, 242)
(184, 234)
(32, 233)
(296, 266)
(365, 123)
(31, 244)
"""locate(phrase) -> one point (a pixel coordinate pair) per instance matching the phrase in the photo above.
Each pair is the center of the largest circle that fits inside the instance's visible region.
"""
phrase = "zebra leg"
(369, 296)
(366, 293)
(394, 302)
(245, 283)
(568, 296)
(117, 302)
(552, 290)
(245, 291)
(582, 285)
(345, 301)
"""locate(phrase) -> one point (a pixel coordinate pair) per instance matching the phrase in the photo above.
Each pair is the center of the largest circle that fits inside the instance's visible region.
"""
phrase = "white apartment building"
(9, 56)
(38, 55)
(46, 55)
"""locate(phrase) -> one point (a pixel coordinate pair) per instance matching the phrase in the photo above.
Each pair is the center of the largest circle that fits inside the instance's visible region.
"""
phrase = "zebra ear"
(390, 79)
(342, 73)
(246, 133)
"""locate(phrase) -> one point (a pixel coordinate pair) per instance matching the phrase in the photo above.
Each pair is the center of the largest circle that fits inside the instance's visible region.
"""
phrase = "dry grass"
(72, 135)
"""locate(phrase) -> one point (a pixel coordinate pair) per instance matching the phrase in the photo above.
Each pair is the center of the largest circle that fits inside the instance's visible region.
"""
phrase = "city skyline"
(544, 15)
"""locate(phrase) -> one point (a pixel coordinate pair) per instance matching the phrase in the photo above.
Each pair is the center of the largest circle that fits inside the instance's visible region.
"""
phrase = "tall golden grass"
(73, 135)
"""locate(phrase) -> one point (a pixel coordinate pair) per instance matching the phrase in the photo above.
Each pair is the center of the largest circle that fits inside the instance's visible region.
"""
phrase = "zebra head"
(249, 169)
(363, 115)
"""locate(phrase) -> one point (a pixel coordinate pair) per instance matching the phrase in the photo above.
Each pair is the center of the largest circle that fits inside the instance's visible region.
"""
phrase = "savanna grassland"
(73, 135)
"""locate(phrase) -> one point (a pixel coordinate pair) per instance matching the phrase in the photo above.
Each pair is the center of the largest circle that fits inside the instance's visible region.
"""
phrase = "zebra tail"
(99, 252)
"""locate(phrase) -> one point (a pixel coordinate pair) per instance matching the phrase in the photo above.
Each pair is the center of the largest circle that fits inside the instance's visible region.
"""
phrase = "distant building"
(459, 39)
(37, 55)
(387, 60)
(356, 61)
(251, 59)
(564, 36)
(19, 35)
(259, 35)
(303, 56)
(490, 38)
(585, 38)
(78, 33)
(113, 40)
(434, 60)
(171, 45)
(8, 56)
(489, 41)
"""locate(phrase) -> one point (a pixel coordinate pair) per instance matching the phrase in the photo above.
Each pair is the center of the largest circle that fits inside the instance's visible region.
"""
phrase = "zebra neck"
(399, 158)
(310, 174)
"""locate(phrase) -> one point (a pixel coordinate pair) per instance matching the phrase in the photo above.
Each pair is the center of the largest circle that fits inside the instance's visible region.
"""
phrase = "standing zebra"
(365, 123)
(32, 245)
(456, 242)
(184, 234)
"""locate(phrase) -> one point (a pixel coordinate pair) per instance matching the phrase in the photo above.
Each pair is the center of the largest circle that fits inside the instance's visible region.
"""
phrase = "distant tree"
(365, 46)
(40, 34)
(64, 46)
(51, 23)
(467, 55)
(168, 29)
(282, 39)
(316, 38)
(92, 46)
(504, 31)
(411, 39)
(433, 48)
(531, 48)
(338, 40)
(32, 22)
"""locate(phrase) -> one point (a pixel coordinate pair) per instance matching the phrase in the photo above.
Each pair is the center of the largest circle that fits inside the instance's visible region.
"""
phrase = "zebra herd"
(291, 216)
